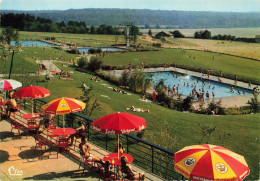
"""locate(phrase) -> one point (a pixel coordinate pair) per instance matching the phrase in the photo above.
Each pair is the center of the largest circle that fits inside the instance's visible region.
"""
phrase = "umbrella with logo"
(119, 123)
(31, 92)
(63, 106)
(210, 162)
(9, 84)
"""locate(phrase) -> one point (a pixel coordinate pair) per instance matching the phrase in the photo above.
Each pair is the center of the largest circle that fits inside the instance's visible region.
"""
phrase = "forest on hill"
(151, 18)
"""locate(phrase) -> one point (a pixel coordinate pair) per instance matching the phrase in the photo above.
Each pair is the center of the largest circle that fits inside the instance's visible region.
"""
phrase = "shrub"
(73, 51)
(94, 50)
(82, 62)
(94, 64)
(187, 103)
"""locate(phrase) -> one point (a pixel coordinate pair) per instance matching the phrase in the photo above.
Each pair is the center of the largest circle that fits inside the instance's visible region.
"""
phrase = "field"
(168, 128)
(238, 32)
(80, 39)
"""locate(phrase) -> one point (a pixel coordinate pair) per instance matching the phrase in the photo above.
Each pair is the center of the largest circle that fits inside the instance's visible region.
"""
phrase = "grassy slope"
(172, 129)
(246, 68)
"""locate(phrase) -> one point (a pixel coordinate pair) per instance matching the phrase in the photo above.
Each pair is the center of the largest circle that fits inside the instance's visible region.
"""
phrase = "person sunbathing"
(126, 169)
(85, 151)
(137, 109)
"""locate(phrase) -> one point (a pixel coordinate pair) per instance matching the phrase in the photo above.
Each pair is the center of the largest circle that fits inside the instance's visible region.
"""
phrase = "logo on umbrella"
(63, 105)
(189, 161)
(221, 168)
(235, 156)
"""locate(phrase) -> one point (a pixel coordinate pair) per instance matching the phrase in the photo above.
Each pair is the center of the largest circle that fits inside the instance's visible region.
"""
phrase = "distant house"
(162, 34)
(257, 38)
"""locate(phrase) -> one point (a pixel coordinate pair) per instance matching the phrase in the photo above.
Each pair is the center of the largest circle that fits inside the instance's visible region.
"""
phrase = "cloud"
(0, 1)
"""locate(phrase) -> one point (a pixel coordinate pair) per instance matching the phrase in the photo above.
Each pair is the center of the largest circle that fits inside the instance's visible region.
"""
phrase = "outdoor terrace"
(154, 161)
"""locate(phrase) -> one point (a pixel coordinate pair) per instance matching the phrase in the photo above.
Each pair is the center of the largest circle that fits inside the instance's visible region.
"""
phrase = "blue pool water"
(34, 43)
(110, 49)
(219, 89)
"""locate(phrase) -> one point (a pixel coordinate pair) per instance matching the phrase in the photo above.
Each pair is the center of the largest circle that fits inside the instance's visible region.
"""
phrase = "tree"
(177, 34)
(9, 34)
(206, 34)
(125, 77)
(150, 33)
(254, 104)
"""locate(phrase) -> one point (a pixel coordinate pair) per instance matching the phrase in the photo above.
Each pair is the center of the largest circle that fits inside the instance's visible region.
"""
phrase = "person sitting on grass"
(79, 132)
(126, 169)
(121, 148)
(84, 86)
(85, 151)
(11, 105)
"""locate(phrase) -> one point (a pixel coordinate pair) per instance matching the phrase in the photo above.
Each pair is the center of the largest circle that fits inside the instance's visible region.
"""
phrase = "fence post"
(106, 141)
(166, 169)
(127, 150)
(58, 120)
(34, 106)
(152, 158)
(88, 130)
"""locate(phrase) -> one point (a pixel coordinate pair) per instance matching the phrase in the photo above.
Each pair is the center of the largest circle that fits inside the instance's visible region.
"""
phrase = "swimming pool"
(187, 83)
(110, 49)
(33, 43)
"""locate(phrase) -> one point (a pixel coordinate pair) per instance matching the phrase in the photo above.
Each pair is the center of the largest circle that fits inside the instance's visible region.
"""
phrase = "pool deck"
(234, 101)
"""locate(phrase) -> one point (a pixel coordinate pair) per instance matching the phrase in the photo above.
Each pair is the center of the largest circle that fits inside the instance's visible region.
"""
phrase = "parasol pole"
(118, 146)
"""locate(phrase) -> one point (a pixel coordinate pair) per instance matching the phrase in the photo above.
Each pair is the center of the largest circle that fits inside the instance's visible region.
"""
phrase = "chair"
(50, 128)
(130, 175)
(16, 125)
(18, 107)
(109, 175)
(40, 143)
(79, 136)
(89, 163)
(62, 142)
(32, 126)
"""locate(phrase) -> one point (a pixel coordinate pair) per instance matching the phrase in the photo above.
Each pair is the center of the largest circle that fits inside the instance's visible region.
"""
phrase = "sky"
(188, 5)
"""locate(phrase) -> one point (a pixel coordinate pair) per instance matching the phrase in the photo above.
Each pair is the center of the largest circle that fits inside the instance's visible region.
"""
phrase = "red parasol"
(31, 92)
(119, 123)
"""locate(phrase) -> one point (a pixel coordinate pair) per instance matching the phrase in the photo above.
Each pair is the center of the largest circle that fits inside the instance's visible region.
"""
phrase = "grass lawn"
(24, 62)
(245, 69)
(168, 128)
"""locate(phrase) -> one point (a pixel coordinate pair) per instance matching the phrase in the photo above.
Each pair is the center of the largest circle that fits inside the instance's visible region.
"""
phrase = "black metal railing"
(148, 156)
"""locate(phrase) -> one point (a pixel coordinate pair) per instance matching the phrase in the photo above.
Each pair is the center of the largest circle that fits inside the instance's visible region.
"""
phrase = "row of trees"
(27, 22)
(207, 35)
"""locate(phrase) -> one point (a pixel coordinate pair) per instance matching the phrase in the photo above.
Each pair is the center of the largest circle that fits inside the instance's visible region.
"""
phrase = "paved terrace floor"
(18, 153)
